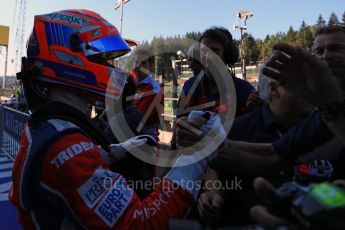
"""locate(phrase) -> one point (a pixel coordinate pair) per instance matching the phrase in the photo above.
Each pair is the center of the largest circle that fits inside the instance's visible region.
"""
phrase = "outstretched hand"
(302, 74)
(254, 101)
(259, 213)
(209, 205)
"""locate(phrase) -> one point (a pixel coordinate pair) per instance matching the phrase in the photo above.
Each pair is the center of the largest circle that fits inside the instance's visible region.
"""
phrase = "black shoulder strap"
(57, 110)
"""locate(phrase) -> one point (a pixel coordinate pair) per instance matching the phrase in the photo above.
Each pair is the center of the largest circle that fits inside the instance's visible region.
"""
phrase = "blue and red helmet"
(73, 49)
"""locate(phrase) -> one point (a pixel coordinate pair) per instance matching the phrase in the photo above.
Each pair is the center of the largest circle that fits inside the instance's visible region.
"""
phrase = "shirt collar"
(268, 119)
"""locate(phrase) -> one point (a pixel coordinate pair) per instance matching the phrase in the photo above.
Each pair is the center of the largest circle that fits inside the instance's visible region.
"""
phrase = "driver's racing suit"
(60, 179)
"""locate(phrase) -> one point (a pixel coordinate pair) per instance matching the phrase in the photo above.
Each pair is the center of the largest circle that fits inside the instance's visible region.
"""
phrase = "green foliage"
(291, 36)
(252, 52)
(320, 22)
(193, 35)
(304, 37)
(333, 20)
(165, 50)
(255, 50)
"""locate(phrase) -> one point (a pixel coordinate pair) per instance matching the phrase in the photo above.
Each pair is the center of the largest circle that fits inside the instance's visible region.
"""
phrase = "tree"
(291, 36)
(251, 49)
(320, 22)
(193, 35)
(343, 19)
(127, 61)
(309, 38)
(333, 20)
(262, 49)
(301, 38)
(265, 48)
(305, 36)
(145, 44)
(158, 47)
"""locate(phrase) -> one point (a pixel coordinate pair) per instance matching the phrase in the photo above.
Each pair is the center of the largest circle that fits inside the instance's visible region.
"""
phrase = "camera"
(317, 206)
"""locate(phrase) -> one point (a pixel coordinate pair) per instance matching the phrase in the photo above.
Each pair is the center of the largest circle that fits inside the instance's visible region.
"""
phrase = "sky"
(144, 19)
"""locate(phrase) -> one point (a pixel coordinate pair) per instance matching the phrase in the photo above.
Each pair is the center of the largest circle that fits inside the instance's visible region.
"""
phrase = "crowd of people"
(15, 101)
(74, 172)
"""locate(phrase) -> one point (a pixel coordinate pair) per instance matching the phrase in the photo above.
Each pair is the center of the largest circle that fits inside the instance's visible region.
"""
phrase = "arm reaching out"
(303, 74)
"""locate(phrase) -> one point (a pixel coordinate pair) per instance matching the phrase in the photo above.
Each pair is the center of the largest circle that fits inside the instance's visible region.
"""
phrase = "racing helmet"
(73, 49)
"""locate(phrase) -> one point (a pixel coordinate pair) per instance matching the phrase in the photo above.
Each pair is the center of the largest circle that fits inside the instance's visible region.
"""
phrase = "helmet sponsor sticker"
(71, 19)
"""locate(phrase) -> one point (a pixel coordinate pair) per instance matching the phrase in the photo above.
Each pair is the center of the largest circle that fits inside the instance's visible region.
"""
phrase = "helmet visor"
(112, 46)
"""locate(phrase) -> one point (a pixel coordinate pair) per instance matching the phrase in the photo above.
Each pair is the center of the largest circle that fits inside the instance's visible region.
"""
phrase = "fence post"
(1, 125)
(12, 123)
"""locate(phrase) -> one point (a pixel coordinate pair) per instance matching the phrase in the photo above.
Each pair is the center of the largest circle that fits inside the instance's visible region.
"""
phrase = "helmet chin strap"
(73, 99)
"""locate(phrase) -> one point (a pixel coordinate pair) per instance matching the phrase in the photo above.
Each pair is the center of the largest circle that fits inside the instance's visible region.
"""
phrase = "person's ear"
(273, 88)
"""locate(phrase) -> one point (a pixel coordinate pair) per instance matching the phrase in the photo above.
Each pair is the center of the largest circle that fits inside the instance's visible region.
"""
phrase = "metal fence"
(11, 125)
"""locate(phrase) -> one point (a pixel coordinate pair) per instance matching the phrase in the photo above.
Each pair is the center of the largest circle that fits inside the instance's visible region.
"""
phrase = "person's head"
(144, 61)
(193, 58)
(99, 107)
(284, 106)
(68, 57)
(219, 40)
(128, 93)
(329, 45)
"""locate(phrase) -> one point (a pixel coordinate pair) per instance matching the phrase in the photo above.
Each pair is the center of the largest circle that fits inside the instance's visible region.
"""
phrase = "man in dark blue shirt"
(321, 84)
(200, 91)
(257, 126)
(312, 80)
(313, 131)
(264, 125)
(202, 94)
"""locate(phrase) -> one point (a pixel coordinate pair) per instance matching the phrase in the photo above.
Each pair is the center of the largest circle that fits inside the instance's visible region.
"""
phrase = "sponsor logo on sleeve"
(71, 152)
(154, 207)
(96, 186)
(114, 202)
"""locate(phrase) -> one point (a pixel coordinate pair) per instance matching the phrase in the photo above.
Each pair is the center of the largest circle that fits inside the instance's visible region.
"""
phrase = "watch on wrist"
(333, 110)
